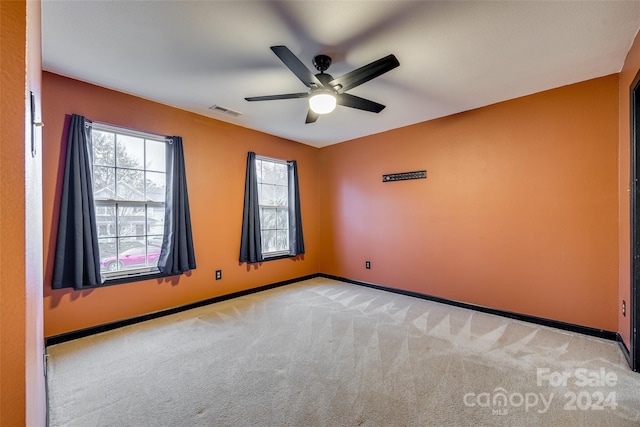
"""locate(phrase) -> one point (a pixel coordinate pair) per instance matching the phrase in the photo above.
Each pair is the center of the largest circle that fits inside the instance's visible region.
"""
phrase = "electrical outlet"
(624, 308)
(218, 274)
(367, 265)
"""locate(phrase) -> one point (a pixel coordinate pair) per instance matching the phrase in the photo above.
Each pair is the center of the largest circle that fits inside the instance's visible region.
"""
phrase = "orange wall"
(22, 397)
(518, 211)
(215, 156)
(627, 74)
(12, 271)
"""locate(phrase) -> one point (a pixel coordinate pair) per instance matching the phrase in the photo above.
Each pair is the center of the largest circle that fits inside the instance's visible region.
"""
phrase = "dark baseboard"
(81, 333)
(600, 333)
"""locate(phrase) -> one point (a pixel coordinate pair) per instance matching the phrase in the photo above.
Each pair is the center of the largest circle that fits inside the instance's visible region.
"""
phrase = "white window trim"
(273, 254)
(105, 127)
(271, 159)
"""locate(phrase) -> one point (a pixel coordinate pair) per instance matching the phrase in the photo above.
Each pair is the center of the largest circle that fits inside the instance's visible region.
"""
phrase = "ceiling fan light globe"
(322, 103)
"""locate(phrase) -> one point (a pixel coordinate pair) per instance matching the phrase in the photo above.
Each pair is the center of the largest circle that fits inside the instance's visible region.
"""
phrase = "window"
(129, 180)
(273, 198)
(124, 196)
(271, 218)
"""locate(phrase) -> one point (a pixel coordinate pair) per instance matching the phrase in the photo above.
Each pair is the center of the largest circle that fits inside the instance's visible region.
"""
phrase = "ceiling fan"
(325, 91)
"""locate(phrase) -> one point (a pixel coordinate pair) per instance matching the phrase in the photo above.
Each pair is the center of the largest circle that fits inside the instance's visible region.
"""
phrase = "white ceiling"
(454, 55)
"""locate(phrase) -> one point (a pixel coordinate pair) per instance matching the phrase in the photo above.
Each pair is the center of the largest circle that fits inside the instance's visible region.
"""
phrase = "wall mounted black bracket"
(403, 176)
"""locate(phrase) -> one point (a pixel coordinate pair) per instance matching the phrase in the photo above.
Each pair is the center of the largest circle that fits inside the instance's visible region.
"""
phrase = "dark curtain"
(77, 258)
(177, 254)
(296, 241)
(250, 243)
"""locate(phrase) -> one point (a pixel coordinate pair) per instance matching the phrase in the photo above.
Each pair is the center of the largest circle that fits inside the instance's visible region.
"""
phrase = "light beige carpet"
(326, 353)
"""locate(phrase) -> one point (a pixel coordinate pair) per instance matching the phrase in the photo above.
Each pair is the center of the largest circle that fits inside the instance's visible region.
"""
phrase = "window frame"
(136, 273)
(284, 253)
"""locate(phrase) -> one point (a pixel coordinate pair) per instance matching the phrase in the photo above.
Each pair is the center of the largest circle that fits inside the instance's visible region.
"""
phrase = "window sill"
(134, 277)
(139, 277)
(275, 257)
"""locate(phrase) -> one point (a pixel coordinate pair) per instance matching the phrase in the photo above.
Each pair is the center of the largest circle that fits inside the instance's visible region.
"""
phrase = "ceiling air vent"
(224, 110)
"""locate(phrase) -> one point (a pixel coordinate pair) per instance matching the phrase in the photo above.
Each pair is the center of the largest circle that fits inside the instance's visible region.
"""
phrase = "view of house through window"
(273, 198)
(129, 194)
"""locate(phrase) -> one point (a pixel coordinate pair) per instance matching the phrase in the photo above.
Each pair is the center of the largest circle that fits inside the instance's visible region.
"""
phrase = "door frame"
(632, 307)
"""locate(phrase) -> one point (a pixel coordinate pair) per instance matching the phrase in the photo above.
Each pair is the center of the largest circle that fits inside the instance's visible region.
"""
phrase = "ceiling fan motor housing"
(321, 62)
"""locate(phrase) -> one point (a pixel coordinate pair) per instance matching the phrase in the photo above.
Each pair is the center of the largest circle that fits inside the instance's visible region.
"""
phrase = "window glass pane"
(107, 254)
(129, 243)
(259, 170)
(268, 195)
(155, 190)
(153, 252)
(267, 219)
(259, 193)
(102, 209)
(155, 158)
(130, 185)
(268, 174)
(103, 148)
(281, 174)
(132, 254)
(269, 240)
(281, 196)
(282, 219)
(137, 250)
(104, 183)
(155, 240)
(155, 221)
(131, 220)
(282, 241)
(106, 221)
(129, 152)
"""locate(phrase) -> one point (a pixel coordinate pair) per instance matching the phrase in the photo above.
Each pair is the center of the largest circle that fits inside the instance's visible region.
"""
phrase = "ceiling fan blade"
(353, 101)
(311, 117)
(296, 66)
(272, 97)
(364, 74)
